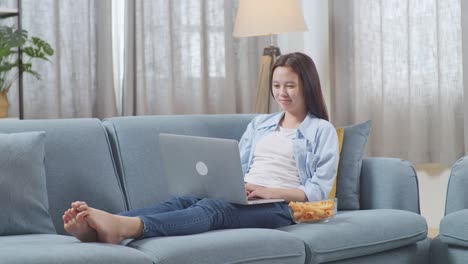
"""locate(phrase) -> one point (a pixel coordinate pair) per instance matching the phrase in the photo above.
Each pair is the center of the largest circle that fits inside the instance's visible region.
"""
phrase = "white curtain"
(78, 81)
(162, 57)
(181, 58)
(399, 63)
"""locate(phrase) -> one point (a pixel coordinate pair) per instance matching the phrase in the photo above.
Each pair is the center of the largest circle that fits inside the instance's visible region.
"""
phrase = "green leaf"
(32, 48)
(4, 51)
(7, 67)
(29, 51)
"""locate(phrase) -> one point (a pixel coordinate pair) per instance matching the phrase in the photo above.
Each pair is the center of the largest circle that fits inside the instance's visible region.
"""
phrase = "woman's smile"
(287, 90)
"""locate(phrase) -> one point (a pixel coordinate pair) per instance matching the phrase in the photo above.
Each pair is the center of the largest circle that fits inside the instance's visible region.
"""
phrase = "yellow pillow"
(340, 133)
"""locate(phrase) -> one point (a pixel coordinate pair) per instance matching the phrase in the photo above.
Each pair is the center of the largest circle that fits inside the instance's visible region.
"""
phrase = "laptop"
(204, 167)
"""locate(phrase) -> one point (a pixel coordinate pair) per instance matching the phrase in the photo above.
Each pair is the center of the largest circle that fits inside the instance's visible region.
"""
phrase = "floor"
(432, 232)
(433, 179)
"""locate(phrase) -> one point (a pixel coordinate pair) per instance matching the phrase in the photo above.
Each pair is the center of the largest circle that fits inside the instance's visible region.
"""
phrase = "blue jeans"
(187, 215)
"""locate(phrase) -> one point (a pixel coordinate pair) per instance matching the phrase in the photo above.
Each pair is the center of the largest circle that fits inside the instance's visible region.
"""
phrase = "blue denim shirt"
(315, 150)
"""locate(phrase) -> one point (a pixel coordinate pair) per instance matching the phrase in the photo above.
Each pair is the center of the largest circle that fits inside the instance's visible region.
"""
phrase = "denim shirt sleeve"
(321, 162)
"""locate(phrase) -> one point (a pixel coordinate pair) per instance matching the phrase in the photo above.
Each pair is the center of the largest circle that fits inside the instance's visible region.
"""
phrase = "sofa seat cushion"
(225, 246)
(453, 228)
(58, 249)
(358, 233)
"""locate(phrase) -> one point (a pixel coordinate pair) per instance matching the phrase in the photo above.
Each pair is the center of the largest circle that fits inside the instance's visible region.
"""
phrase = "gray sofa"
(114, 165)
(451, 246)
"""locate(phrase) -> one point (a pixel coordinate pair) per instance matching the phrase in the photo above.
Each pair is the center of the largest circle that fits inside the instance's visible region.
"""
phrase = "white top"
(273, 161)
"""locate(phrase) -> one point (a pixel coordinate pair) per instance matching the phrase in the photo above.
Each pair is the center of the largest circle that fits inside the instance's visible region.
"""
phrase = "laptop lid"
(203, 167)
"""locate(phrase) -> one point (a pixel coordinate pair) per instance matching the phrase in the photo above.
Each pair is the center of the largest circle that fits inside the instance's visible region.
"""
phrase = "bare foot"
(74, 223)
(112, 228)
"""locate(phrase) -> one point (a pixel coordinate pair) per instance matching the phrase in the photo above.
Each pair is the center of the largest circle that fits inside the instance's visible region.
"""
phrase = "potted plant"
(11, 40)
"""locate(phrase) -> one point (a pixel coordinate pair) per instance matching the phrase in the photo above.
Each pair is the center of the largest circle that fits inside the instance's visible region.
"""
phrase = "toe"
(81, 215)
(80, 206)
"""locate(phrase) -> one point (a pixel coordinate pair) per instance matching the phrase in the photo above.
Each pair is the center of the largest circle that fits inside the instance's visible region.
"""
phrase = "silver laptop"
(204, 167)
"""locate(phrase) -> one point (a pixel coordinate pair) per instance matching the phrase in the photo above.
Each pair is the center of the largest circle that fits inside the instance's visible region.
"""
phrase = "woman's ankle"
(132, 227)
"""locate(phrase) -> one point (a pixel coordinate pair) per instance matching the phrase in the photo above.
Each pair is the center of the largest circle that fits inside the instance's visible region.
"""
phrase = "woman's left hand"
(262, 192)
(257, 191)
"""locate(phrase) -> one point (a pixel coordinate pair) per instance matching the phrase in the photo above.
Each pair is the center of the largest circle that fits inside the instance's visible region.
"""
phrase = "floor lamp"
(267, 18)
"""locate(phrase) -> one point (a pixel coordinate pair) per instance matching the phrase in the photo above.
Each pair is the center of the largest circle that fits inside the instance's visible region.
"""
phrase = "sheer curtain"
(399, 63)
(78, 81)
(178, 57)
(181, 58)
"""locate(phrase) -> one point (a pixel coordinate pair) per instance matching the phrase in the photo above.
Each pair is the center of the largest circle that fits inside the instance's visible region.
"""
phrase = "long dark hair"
(304, 66)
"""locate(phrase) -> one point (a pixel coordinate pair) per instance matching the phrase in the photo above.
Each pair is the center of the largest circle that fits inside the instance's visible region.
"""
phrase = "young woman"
(291, 155)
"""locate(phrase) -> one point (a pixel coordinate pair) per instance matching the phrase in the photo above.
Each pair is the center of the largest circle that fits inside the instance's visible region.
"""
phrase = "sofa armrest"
(453, 229)
(389, 183)
(457, 198)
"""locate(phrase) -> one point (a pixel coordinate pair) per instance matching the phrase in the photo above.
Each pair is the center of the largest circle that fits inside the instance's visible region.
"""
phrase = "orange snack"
(304, 212)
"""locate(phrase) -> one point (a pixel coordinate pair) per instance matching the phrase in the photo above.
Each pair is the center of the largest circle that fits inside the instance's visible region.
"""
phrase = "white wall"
(314, 42)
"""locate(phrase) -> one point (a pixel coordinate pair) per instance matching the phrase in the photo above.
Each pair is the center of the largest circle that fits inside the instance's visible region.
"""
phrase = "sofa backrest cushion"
(349, 169)
(135, 144)
(23, 191)
(78, 164)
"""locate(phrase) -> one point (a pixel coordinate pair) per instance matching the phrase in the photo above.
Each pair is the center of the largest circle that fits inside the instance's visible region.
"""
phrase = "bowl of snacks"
(310, 212)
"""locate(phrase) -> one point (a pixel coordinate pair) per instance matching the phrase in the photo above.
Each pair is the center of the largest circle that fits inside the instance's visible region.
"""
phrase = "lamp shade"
(268, 17)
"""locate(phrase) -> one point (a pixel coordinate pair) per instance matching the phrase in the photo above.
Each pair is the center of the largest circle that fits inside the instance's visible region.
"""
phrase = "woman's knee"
(216, 205)
(216, 210)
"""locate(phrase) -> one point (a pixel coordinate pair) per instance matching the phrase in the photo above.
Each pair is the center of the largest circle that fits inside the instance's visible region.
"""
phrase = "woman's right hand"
(257, 191)
(249, 187)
